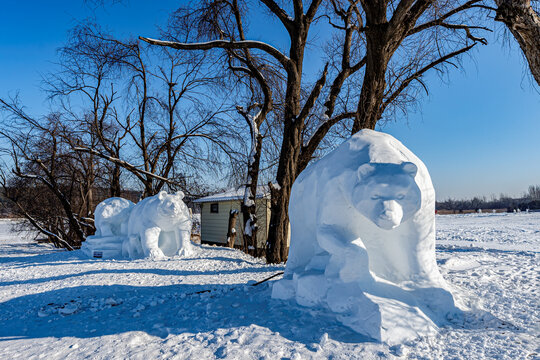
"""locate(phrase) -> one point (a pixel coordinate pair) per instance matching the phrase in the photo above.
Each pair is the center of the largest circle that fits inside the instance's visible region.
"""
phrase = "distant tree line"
(530, 200)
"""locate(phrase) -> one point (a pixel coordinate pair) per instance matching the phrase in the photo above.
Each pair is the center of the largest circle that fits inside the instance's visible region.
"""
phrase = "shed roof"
(234, 194)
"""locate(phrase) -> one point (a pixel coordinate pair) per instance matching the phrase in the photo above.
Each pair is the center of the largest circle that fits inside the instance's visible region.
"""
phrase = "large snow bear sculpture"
(110, 219)
(159, 226)
(363, 241)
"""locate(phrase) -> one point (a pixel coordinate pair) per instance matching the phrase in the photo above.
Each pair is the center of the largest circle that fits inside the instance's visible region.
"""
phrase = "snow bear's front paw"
(156, 254)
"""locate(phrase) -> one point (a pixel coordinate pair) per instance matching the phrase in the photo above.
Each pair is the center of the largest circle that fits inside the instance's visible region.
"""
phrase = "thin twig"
(268, 278)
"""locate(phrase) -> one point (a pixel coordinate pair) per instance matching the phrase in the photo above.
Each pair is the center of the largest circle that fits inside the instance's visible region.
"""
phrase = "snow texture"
(363, 241)
(156, 227)
(60, 305)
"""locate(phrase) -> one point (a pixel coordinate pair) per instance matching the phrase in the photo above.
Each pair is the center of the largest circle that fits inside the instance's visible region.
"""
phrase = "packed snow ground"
(61, 305)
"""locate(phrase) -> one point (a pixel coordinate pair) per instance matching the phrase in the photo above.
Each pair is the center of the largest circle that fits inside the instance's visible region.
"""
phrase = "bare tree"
(48, 185)
(385, 32)
(86, 76)
(118, 107)
(145, 113)
(254, 75)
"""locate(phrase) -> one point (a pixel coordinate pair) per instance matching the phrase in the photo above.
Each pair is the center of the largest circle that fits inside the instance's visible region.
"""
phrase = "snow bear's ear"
(162, 195)
(409, 168)
(365, 170)
(180, 194)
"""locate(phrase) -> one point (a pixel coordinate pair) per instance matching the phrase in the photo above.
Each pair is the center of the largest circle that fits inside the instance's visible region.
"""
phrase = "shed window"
(214, 208)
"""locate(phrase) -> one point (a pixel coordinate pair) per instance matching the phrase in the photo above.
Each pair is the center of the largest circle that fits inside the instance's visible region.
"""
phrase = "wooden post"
(231, 232)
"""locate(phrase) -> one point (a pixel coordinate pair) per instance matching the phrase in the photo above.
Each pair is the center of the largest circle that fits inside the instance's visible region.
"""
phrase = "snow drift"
(363, 241)
(156, 227)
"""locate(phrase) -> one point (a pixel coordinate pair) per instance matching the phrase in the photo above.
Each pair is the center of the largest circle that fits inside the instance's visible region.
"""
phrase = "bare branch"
(280, 13)
(40, 228)
(132, 168)
(440, 19)
(313, 96)
(420, 72)
(222, 44)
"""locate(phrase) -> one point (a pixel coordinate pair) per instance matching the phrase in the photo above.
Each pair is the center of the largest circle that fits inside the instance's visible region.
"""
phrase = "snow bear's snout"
(171, 209)
(391, 215)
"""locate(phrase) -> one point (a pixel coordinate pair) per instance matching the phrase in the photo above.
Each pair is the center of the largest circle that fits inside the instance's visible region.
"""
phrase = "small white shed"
(215, 210)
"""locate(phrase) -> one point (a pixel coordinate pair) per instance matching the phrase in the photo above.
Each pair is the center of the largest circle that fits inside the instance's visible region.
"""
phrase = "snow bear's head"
(387, 194)
(112, 207)
(171, 206)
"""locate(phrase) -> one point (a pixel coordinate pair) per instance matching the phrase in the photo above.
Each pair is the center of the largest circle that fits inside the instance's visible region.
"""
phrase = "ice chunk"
(68, 309)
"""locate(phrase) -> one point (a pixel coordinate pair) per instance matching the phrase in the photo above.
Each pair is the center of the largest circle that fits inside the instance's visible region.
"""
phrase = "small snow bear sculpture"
(111, 216)
(363, 240)
(159, 226)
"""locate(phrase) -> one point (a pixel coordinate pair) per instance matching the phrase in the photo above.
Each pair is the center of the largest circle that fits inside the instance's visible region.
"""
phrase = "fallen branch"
(257, 283)
(268, 278)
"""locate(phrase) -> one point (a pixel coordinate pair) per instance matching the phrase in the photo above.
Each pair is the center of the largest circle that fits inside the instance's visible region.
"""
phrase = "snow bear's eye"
(400, 197)
(375, 197)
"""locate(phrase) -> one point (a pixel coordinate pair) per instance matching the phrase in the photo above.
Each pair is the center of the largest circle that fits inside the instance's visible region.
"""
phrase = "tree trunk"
(115, 189)
(372, 94)
(250, 230)
(148, 188)
(524, 24)
(231, 232)
(249, 207)
(276, 249)
(90, 198)
(255, 252)
(371, 99)
(278, 232)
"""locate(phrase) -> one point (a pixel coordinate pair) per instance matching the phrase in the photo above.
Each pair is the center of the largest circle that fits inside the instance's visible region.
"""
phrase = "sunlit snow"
(62, 305)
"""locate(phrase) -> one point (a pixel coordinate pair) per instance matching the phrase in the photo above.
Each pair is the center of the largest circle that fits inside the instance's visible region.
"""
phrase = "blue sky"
(479, 134)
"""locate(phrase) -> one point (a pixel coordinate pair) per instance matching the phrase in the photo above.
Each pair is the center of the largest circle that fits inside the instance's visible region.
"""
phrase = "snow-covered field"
(61, 305)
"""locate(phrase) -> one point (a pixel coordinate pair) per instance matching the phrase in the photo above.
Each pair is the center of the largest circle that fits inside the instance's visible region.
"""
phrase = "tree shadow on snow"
(155, 271)
(27, 248)
(52, 257)
(94, 311)
(55, 256)
(462, 249)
